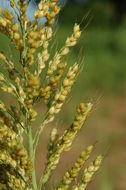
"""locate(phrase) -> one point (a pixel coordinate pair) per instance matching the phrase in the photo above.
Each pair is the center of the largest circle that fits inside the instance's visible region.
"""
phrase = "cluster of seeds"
(6, 86)
(14, 158)
(53, 12)
(88, 173)
(38, 38)
(58, 64)
(33, 42)
(49, 10)
(11, 28)
(82, 113)
(42, 11)
(64, 142)
(23, 9)
(4, 119)
(9, 178)
(49, 90)
(32, 91)
(71, 174)
(52, 162)
(16, 36)
(60, 96)
(59, 56)
(43, 56)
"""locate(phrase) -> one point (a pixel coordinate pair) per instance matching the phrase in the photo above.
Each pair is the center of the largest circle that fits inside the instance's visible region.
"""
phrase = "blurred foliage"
(103, 12)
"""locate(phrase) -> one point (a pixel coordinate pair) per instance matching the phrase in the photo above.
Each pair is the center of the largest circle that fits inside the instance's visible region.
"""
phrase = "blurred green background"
(102, 81)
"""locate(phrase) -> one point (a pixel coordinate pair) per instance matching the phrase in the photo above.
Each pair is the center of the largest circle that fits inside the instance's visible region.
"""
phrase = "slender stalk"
(39, 131)
(31, 155)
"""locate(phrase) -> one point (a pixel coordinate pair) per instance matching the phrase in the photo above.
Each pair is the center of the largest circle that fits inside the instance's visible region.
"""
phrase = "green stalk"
(31, 156)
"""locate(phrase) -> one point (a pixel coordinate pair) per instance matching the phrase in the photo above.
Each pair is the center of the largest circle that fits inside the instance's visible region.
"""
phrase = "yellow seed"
(15, 27)
(36, 14)
(2, 57)
(76, 28)
(52, 110)
(66, 82)
(24, 8)
(16, 36)
(3, 22)
(65, 51)
(40, 14)
(77, 35)
(62, 98)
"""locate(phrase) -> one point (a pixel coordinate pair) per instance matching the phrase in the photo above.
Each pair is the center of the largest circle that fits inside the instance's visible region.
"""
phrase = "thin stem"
(39, 131)
(31, 156)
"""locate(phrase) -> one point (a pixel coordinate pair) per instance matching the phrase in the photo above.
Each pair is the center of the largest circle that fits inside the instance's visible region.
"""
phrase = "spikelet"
(65, 141)
(43, 9)
(23, 8)
(73, 172)
(51, 144)
(46, 35)
(6, 86)
(31, 90)
(88, 173)
(50, 166)
(13, 4)
(60, 96)
(47, 9)
(82, 113)
(11, 29)
(48, 92)
(59, 56)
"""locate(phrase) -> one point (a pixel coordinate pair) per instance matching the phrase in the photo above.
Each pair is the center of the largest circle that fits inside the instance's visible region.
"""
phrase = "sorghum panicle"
(32, 42)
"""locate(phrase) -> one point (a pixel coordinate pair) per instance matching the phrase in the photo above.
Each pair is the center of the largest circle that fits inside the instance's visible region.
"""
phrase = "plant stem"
(31, 155)
(39, 131)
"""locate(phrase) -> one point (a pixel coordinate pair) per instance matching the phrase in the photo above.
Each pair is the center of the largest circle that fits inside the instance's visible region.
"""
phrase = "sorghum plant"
(31, 40)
